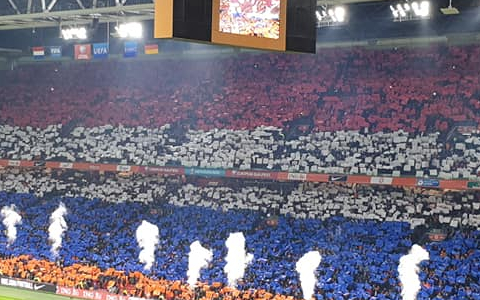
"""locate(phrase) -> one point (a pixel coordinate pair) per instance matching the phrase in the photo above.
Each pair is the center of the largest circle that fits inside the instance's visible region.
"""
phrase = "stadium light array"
(130, 30)
(410, 10)
(77, 33)
(331, 16)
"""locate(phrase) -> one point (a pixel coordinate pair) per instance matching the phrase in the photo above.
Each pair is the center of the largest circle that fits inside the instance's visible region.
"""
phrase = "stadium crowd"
(361, 233)
(377, 112)
(418, 90)
(299, 200)
(350, 152)
(356, 111)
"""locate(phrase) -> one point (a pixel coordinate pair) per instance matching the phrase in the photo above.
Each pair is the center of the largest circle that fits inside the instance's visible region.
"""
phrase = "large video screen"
(258, 24)
(259, 18)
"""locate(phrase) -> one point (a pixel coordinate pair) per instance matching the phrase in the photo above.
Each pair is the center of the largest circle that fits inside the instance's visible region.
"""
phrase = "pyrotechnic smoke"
(147, 238)
(10, 219)
(408, 271)
(237, 258)
(306, 267)
(198, 258)
(56, 228)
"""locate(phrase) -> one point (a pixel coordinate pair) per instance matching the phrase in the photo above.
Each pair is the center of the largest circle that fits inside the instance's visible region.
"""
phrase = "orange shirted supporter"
(77, 274)
(169, 295)
(46, 278)
(109, 271)
(176, 285)
(209, 294)
(110, 284)
(60, 282)
(163, 288)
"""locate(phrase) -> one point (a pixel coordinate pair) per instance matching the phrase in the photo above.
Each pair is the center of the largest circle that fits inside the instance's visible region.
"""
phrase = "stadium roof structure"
(23, 14)
(24, 23)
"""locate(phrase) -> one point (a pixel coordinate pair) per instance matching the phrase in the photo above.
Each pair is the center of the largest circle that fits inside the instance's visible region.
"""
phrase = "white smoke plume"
(306, 267)
(10, 219)
(57, 228)
(408, 271)
(147, 238)
(198, 258)
(237, 258)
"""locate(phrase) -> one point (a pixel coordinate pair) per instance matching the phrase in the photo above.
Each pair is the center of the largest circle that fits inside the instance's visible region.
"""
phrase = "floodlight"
(340, 13)
(130, 30)
(405, 10)
(330, 16)
(425, 8)
(78, 33)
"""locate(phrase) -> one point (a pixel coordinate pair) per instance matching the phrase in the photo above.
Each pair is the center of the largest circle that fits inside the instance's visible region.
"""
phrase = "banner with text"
(27, 284)
(251, 174)
(83, 52)
(381, 180)
(87, 294)
(16, 163)
(427, 182)
(100, 50)
(205, 172)
(163, 170)
(131, 49)
(297, 176)
(55, 51)
(474, 185)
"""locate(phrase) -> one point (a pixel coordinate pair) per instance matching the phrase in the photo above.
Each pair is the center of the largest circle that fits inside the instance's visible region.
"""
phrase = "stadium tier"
(299, 200)
(417, 90)
(343, 152)
(357, 111)
(382, 113)
(359, 256)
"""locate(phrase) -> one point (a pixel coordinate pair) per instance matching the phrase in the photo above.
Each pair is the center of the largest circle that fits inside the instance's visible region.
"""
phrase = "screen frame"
(233, 39)
(163, 22)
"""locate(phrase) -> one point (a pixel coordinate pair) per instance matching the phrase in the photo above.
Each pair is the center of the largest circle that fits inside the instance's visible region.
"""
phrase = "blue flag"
(100, 50)
(56, 51)
(131, 49)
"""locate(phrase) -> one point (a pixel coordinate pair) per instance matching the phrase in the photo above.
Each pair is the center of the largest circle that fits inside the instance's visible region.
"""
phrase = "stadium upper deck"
(416, 90)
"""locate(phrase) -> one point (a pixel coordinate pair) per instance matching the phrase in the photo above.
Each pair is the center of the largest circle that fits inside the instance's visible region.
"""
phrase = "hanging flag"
(151, 49)
(131, 49)
(100, 50)
(55, 51)
(83, 52)
(38, 52)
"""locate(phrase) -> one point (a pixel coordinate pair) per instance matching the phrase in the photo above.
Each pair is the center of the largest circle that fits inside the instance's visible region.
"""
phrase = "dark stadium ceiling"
(22, 14)
(37, 22)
